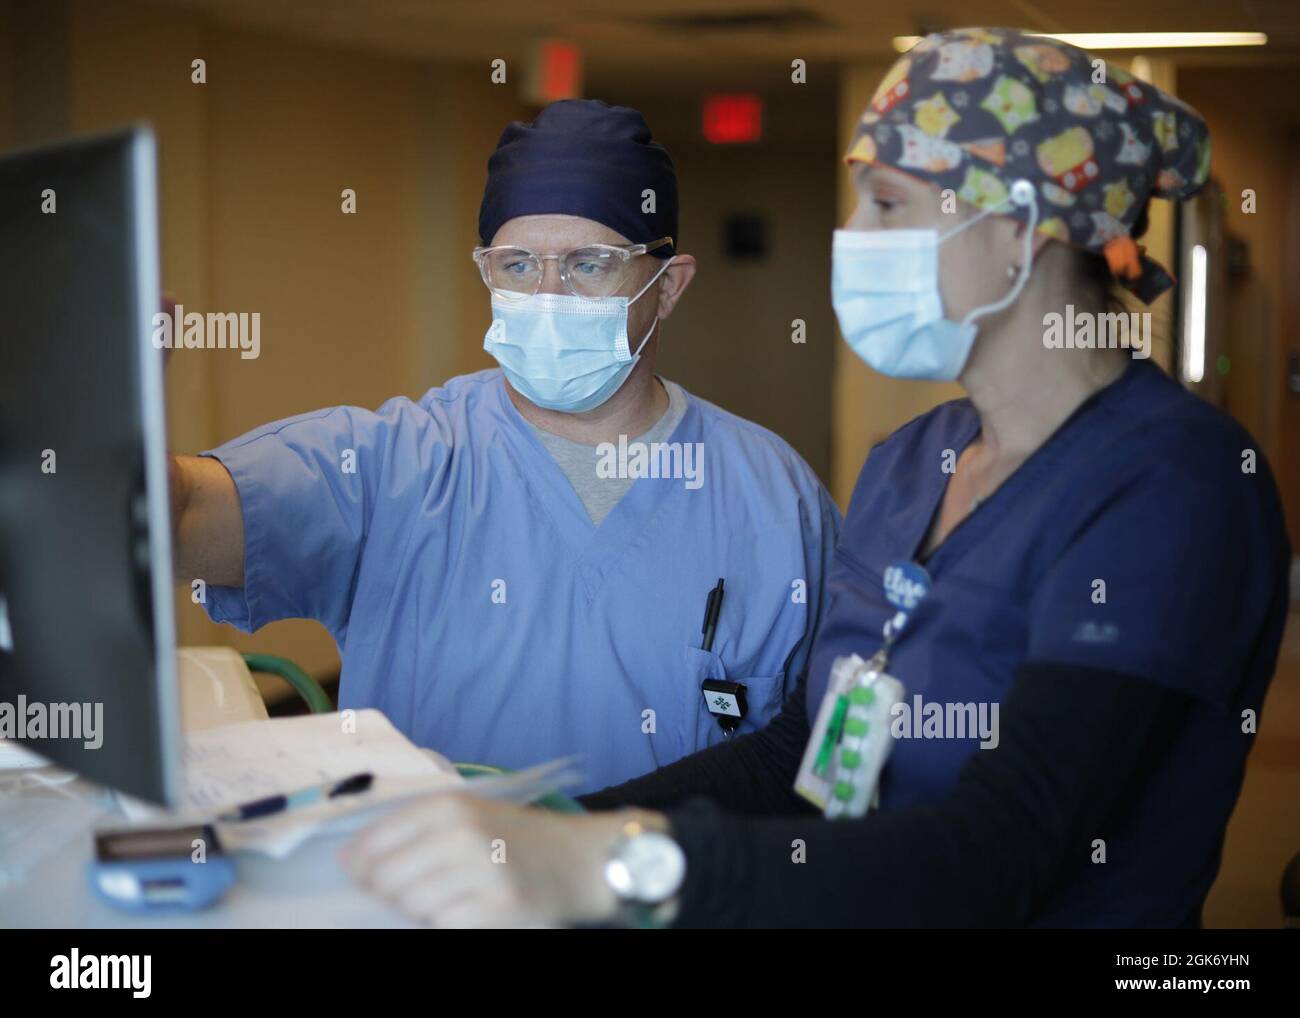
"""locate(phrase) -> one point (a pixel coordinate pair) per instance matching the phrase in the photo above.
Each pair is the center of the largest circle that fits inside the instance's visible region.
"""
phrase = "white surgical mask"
(564, 352)
(885, 290)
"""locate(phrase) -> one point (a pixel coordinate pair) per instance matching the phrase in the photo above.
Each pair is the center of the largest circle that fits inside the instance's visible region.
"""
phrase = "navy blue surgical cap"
(582, 157)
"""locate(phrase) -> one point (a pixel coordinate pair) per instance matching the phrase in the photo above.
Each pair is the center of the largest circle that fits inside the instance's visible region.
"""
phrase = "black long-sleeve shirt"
(1021, 821)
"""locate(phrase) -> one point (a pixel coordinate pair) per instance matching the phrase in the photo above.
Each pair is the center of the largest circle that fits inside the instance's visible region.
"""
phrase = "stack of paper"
(240, 763)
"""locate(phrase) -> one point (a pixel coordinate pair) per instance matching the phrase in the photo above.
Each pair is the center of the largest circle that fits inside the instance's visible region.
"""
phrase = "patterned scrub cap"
(974, 109)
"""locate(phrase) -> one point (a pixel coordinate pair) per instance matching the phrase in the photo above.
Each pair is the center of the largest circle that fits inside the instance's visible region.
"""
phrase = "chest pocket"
(700, 729)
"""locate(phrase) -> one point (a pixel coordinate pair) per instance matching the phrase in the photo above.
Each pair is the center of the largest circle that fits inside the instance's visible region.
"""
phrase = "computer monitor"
(87, 633)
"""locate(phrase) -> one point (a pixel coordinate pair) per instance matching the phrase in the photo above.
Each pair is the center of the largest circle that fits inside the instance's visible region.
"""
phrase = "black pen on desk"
(712, 608)
(303, 797)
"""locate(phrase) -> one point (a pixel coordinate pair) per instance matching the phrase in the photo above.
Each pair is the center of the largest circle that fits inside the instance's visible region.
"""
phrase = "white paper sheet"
(239, 763)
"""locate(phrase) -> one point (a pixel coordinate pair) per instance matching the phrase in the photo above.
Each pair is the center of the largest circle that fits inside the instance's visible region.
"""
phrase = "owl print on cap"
(975, 109)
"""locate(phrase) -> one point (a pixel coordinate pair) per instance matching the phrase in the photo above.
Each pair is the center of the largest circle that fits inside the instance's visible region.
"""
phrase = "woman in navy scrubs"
(1104, 556)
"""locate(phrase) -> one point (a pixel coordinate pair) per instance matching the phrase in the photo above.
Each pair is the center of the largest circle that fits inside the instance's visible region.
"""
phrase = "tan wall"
(1250, 118)
(355, 308)
(469, 116)
(867, 406)
(729, 339)
(117, 79)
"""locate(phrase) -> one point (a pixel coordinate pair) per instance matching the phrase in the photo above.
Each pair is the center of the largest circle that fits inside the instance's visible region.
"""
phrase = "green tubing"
(304, 685)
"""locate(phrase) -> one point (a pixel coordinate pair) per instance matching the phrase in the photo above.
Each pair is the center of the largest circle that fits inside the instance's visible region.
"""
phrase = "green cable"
(304, 685)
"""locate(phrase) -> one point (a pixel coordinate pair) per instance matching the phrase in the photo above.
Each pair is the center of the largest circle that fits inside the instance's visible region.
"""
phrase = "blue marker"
(295, 800)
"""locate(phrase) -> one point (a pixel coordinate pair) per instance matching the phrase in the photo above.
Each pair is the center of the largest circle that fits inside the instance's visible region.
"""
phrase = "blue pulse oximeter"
(151, 870)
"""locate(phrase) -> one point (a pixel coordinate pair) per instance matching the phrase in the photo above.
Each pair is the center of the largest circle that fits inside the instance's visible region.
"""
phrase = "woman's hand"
(454, 860)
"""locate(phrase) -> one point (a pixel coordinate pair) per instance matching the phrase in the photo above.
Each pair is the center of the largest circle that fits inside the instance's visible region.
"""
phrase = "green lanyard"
(846, 721)
(840, 760)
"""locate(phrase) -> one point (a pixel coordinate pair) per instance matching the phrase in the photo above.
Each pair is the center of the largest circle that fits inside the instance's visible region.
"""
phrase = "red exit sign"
(733, 118)
(554, 73)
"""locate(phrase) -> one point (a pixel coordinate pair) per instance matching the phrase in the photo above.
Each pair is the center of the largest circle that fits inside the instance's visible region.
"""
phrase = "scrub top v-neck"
(595, 548)
(474, 602)
(969, 528)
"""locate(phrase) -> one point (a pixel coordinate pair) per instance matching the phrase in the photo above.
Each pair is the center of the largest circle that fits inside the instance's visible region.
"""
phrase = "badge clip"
(725, 701)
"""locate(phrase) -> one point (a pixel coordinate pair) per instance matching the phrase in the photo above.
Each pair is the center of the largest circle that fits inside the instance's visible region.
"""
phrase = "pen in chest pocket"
(724, 699)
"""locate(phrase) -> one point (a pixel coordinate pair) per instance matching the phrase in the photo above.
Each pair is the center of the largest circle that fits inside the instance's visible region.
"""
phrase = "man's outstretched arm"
(207, 523)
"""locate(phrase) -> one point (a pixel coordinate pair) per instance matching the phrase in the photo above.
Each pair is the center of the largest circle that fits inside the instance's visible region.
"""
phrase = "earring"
(1012, 271)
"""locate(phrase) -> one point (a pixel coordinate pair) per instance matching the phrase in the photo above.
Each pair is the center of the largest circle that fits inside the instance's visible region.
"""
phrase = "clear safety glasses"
(592, 272)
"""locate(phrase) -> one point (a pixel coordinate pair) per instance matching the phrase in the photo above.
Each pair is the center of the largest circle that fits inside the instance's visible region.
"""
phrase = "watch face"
(647, 868)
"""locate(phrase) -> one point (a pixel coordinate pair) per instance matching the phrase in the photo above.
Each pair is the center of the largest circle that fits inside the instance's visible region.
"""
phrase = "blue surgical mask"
(564, 352)
(885, 290)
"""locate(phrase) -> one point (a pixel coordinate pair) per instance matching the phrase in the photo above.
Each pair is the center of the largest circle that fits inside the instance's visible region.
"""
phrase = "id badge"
(850, 738)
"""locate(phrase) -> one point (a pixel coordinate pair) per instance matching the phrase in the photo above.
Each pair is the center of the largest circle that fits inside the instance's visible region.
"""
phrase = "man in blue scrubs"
(516, 566)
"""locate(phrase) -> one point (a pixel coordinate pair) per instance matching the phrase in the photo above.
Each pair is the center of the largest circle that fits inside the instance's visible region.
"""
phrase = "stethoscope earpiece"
(1022, 192)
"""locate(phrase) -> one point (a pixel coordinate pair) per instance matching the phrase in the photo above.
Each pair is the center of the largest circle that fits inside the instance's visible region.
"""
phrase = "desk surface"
(308, 889)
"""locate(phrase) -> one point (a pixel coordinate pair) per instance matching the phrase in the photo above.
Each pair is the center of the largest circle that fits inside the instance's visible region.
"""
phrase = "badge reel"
(850, 738)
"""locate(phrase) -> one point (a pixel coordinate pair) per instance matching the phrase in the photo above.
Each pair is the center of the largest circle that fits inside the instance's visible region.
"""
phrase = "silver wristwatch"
(645, 870)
